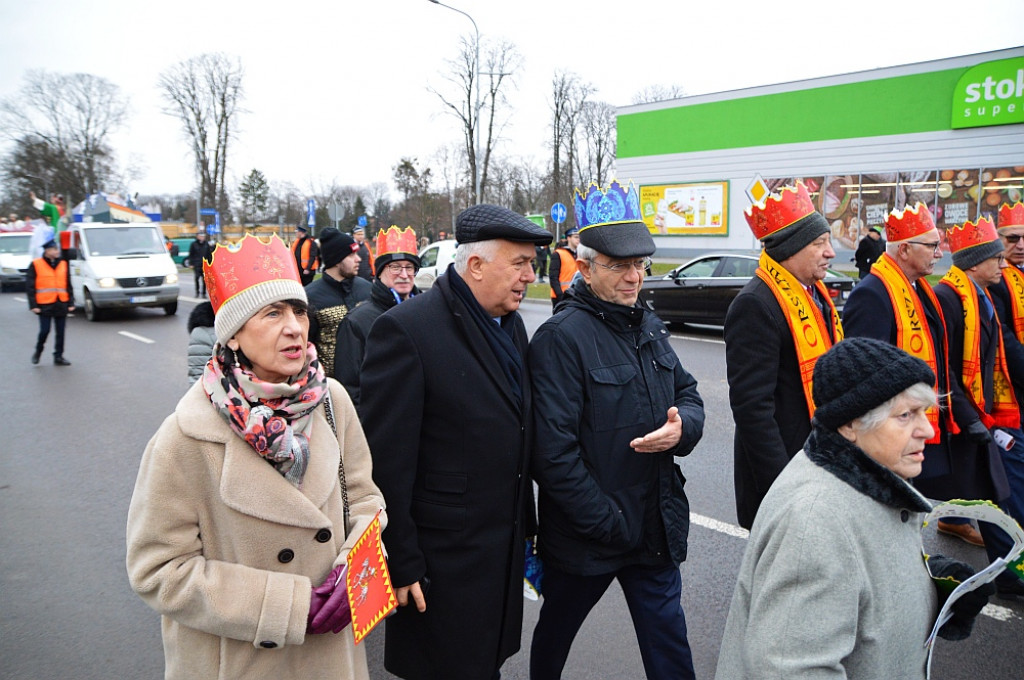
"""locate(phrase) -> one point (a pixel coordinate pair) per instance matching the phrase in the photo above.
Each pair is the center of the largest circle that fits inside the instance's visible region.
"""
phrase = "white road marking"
(20, 299)
(136, 337)
(993, 611)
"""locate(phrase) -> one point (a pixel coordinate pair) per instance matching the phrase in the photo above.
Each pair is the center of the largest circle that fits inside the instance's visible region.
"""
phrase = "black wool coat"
(765, 392)
(450, 454)
(977, 469)
(869, 314)
(1014, 349)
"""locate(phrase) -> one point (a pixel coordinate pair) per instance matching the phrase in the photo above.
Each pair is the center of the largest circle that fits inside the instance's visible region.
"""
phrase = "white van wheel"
(91, 313)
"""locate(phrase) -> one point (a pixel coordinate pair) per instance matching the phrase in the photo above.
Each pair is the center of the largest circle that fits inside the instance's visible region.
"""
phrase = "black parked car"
(701, 290)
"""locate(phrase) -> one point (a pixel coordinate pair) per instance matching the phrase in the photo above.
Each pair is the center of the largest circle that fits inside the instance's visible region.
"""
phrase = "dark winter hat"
(858, 374)
(335, 246)
(487, 222)
(610, 222)
(786, 243)
(972, 243)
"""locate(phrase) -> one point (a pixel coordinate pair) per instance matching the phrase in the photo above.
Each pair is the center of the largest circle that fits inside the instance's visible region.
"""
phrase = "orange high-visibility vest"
(567, 271)
(51, 283)
(305, 260)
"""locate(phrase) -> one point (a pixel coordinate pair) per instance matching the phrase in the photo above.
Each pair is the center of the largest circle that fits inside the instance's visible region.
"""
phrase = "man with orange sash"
(895, 303)
(977, 359)
(50, 297)
(775, 330)
(1008, 299)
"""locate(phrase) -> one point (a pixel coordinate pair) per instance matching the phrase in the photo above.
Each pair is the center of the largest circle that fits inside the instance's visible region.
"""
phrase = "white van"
(116, 266)
(14, 258)
(434, 261)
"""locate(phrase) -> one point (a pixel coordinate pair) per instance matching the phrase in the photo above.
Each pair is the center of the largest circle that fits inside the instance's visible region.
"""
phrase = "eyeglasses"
(1012, 239)
(934, 246)
(622, 267)
(399, 268)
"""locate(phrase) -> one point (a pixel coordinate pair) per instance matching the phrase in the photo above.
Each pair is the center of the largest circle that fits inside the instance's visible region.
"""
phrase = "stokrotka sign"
(990, 94)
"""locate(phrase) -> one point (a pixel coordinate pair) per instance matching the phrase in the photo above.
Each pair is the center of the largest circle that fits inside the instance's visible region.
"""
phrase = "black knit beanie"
(789, 241)
(335, 246)
(968, 257)
(858, 374)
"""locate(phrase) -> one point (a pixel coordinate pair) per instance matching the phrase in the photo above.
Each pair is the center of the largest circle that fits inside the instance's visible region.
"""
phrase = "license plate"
(139, 299)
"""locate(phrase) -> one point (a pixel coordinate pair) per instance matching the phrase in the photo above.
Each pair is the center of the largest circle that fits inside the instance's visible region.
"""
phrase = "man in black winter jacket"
(612, 407)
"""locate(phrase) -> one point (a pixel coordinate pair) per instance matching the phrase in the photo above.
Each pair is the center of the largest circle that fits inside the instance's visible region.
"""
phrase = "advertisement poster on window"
(692, 209)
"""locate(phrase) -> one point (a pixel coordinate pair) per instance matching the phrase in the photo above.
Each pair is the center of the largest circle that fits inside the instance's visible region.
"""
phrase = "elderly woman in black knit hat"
(834, 581)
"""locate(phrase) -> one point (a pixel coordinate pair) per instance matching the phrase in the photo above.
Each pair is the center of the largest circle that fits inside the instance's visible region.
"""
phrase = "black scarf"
(498, 336)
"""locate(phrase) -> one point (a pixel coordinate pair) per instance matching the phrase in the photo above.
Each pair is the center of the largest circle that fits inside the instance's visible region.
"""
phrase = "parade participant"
(198, 252)
(563, 265)
(50, 297)
(237, 526)
(445, 403)
(334, 294)
(612, 407)
(896, 304)
(53, 212)
(977, 360)
(775, 329)
(869, 250)
(397, 264)
(834, 582)
(306, 254)
(367, 268)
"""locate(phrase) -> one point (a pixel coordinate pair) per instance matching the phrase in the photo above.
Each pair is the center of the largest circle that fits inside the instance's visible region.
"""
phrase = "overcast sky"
(338, 91)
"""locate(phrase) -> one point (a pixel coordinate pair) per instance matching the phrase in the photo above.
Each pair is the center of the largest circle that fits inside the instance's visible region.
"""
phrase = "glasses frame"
(936, 247)
(390, 266)
(621, 268)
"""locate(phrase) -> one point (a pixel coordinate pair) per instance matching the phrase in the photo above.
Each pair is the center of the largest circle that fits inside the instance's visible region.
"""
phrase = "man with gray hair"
(445, 404)
(613, 406)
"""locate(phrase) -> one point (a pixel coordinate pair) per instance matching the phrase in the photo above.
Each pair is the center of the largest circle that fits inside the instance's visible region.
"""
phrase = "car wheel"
(91, 312)
(170, 308)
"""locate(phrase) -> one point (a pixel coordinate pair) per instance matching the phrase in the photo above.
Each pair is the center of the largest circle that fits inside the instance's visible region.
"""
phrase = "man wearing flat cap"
(445, 404)
(335, 293)
(775, 330)
(612, 408)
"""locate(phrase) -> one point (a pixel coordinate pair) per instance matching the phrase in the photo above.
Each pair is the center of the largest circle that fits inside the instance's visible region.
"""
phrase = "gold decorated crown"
(232, 270)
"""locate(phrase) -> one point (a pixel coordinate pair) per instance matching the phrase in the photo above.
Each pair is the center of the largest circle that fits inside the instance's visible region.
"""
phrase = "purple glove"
(328, 606)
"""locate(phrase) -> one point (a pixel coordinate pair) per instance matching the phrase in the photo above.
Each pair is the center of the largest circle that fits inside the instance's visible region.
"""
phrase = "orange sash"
(913, 335)
(1014, 279)
(1004, 409)
(807, 325)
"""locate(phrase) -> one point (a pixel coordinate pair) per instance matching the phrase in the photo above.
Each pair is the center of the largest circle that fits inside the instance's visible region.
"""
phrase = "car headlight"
(171, 278)
(9, 270)
(107, 282)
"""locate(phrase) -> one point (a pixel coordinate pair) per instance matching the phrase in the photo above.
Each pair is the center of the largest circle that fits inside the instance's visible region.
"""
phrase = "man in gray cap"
(775, 330)
(612, 407)
(445, 404)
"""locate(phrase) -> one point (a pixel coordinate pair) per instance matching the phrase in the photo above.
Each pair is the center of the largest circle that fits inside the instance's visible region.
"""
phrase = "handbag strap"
(341, 458)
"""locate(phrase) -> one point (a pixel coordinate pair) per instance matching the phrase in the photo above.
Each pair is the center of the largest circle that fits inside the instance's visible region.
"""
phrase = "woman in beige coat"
(238, 515)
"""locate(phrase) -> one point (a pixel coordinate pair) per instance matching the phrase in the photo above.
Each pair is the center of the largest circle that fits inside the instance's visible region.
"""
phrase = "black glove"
(978, 433)
(965, 609)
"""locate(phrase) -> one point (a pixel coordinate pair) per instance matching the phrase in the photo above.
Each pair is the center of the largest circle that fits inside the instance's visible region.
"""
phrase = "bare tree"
(204, 93)
(597, 130)
(65, 121)
(658, 93)
(568, 95)
(499, 64)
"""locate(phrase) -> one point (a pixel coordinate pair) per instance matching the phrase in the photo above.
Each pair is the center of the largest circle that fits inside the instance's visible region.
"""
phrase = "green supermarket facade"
(949, 133)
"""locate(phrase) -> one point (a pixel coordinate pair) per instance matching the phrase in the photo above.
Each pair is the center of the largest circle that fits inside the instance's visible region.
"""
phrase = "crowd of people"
(363, 395)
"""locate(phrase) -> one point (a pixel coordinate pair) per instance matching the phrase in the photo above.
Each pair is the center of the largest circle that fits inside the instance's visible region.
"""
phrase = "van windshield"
(123, 241)
(17, 245)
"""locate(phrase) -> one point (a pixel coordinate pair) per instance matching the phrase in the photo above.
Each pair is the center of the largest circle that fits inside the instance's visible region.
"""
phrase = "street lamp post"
(476, 106)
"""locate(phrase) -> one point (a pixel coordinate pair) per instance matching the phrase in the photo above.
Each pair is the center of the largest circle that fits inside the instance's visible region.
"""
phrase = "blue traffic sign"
(311, 213)
(362, 222)
(558, 212)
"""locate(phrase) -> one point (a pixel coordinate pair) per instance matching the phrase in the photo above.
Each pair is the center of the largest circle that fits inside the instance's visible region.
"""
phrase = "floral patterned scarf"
(274, 418)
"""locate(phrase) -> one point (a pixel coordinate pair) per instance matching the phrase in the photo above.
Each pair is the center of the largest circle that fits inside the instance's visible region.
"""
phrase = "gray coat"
(833, 583)
(201, 339)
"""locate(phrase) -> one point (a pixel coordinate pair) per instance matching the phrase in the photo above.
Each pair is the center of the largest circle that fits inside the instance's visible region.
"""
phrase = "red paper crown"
(396, 240)
(1011, 215)
(777, 212)
(908, 223)
(970, 234)
(252, 261)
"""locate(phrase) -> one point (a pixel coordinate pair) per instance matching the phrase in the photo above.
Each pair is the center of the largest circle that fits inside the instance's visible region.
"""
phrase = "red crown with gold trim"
(233, 269)
(969, 234)
(778, 211)
(908, 223)
(396, 240)
(1011, 215)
